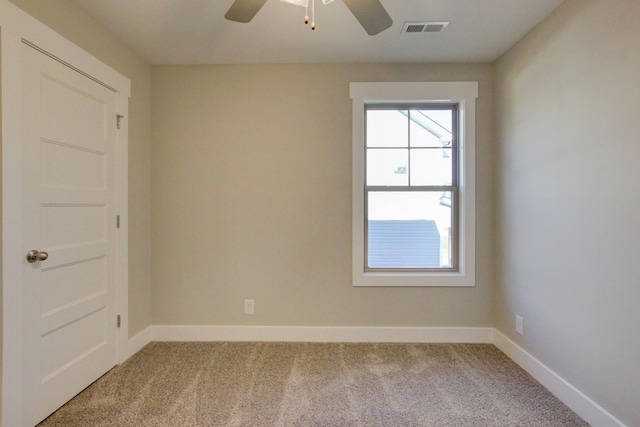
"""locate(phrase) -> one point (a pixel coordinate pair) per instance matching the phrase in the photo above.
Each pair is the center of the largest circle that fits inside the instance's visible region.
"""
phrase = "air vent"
(424, 27)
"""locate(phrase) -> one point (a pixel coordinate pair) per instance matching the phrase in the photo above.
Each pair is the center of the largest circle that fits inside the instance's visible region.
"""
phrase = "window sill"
(413, 280)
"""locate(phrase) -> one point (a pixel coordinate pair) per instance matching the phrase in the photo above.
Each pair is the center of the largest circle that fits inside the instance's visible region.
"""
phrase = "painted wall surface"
(251, 194)
(568, 98)
(1, 252)
(252, 199)
(68, 20)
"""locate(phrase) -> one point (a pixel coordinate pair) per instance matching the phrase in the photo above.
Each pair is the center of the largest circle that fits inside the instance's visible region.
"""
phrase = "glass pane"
(387, 128)
(409, 229)
(431, 128)
(387, 167)
(431, 166)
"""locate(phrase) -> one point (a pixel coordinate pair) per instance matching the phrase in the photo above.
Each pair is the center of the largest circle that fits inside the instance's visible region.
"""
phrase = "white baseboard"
(322, 334)
(136, 343)
(579, 403)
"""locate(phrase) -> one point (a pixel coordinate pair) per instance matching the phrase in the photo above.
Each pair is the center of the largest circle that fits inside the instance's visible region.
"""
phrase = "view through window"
(411, 187)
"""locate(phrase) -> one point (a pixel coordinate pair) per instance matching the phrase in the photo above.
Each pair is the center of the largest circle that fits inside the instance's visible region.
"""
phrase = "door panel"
(64, 105)
(63, 164)
(66, 284)
(72, 224)
(61, 346)
(69, 199)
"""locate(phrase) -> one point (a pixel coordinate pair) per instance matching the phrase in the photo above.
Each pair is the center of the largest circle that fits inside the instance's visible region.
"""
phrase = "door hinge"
(118, 320)
(119, 118)
(117, 221)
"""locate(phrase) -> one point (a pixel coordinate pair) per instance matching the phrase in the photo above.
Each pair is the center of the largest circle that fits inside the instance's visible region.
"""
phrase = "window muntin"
(410, 189)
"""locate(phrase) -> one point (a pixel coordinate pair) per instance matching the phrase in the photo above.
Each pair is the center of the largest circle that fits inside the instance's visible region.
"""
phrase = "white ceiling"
(195, 31)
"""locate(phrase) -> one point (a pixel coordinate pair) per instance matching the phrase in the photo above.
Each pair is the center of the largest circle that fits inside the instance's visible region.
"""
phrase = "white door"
(69, 334)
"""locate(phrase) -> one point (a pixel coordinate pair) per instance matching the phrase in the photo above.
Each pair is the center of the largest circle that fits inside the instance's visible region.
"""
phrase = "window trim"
(462, 93)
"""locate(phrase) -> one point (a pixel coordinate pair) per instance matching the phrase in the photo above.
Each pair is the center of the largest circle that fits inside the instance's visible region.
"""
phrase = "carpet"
(315, 384)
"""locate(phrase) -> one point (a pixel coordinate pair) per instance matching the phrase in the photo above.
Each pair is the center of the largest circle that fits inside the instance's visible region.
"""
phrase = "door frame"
(16, 26)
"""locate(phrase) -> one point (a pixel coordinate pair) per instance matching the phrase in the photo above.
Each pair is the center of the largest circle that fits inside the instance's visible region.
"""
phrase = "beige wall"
(69, 21)
(568, 99)
(252, 199)
(1, 246)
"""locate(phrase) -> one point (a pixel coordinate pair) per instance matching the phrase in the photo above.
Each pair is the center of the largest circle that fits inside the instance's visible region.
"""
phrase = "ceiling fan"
(370, 13)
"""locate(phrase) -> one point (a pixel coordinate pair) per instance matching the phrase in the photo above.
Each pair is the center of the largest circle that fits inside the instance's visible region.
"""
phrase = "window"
(411, 187)
(413, 184)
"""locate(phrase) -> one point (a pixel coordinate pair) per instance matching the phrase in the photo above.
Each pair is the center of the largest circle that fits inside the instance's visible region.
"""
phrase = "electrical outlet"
(519, 325)
(248, 306)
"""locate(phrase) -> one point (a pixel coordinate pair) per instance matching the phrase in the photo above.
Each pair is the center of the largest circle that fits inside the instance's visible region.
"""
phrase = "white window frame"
(462, 93)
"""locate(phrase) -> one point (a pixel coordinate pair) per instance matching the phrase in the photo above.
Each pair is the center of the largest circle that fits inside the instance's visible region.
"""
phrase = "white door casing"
(69, 213)
(16, 27)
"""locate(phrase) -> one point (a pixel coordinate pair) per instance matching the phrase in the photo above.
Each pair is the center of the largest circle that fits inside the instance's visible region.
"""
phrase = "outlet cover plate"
(248, 306)
(519, 325)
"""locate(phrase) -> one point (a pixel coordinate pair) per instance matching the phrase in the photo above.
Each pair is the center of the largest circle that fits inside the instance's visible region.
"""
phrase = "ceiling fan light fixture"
(303, 3)
(371, 15)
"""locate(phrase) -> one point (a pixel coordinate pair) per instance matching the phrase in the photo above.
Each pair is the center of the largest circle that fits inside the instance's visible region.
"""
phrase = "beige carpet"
(310, 384)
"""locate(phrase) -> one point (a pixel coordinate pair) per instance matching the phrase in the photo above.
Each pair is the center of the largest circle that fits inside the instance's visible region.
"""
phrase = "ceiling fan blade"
(244, 10)
(371, 15)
